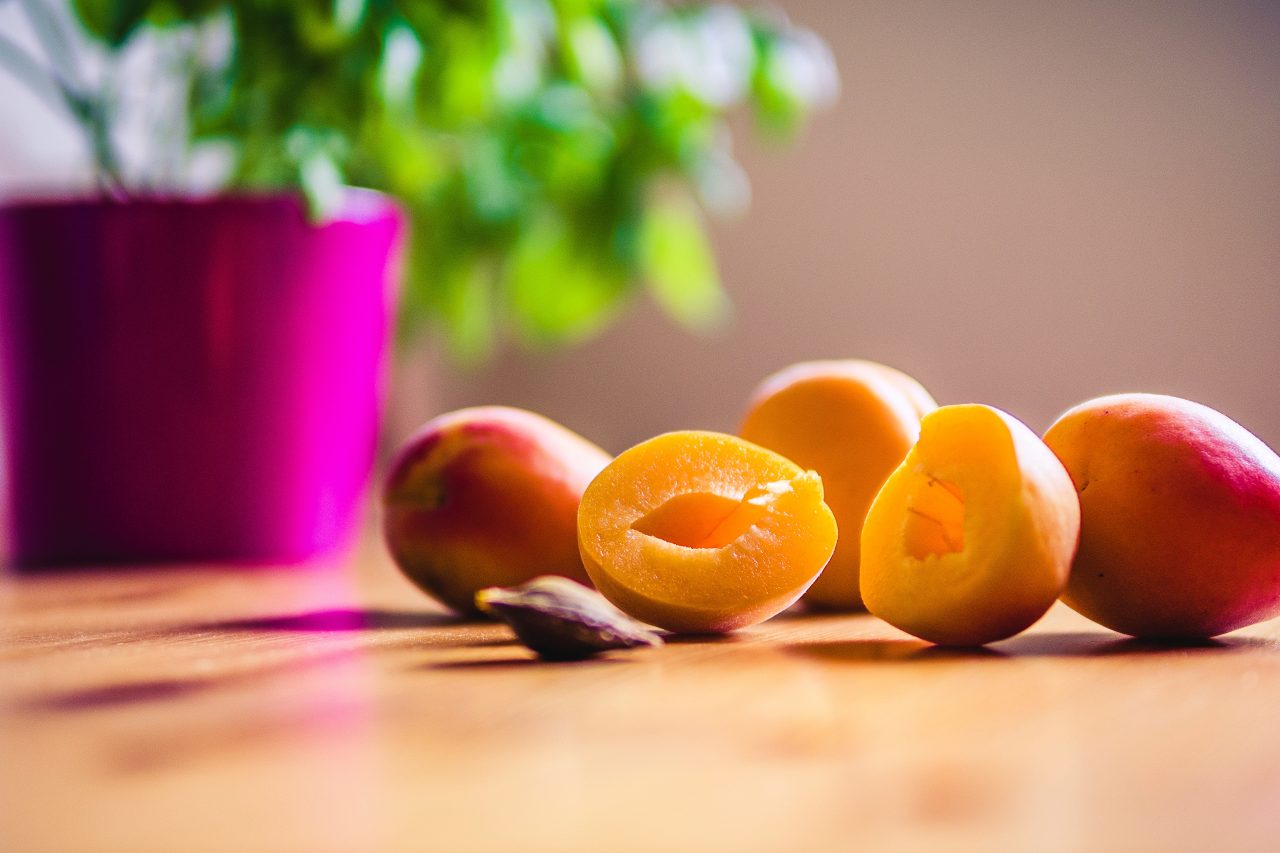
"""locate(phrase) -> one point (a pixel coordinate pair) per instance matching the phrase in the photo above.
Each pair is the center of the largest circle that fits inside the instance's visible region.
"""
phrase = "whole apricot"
(701, 532)
(852, 421)
(1180, 530)
(971, 538)
(484, 497)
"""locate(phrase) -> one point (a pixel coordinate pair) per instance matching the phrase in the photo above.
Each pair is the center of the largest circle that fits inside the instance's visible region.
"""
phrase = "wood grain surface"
(334, 708)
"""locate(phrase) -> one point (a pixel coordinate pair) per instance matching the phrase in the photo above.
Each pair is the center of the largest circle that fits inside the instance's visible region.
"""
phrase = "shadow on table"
(114, 695)
(451, 632)
(1062, 644)
(886, 651)
(1094, 644)
(702, 639)
(340, 620)
(523, 662)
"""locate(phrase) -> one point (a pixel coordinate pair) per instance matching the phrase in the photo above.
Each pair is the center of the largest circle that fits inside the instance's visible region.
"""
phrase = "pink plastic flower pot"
(190, 380)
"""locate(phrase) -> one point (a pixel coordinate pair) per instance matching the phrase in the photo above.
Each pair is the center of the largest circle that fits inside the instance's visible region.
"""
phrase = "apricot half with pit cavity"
(701, 532)
(971, 538)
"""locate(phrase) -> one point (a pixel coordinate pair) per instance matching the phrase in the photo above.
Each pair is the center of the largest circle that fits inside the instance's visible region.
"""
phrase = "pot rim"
(358, 203)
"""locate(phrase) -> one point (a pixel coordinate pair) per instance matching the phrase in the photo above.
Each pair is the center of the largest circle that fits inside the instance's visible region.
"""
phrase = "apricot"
(1180, 530)
(484, 497)
(701, 532)
(971, 538)
(851, 421)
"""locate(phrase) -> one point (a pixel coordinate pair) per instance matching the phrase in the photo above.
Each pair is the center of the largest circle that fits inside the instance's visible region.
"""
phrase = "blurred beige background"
(1020, 203)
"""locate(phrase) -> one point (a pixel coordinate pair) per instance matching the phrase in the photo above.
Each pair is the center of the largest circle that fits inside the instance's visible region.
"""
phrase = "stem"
(91, 113)
(52, 39)
(40, 80)
(48, 86)
(171, 122)
(99, 127)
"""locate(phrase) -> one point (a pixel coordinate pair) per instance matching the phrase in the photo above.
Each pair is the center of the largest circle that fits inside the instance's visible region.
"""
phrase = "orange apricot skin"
(487, 496)
(1180, 536)
(702, 590)
(852, 421)
(1021, 528)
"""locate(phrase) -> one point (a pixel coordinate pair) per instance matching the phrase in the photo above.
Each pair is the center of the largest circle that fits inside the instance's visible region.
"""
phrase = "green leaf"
(328, 26)
(168, 13)
(561, 287)
(401, 60)
(113, 21)
(319, 176)
(592, 56)
(321, 185)
(466, 307)
(492, 188)
(347, 14)
(795, 75)
(563, 144)
(465, 65)
(679, 266)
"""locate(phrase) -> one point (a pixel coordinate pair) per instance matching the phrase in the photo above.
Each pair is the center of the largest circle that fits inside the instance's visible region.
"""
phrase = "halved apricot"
(971, 538)
(853, 422)
(701, 532)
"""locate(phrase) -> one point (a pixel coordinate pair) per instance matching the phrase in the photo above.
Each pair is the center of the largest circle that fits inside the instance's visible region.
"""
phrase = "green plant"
(551, 153)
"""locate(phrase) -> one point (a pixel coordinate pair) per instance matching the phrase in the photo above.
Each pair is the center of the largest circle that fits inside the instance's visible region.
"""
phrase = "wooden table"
(335, 709)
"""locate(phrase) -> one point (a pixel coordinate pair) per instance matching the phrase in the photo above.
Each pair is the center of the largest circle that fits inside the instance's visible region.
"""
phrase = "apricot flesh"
(484, 497)
(971, 538)
(853, 422)
(701, 532)
(1180, 530)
